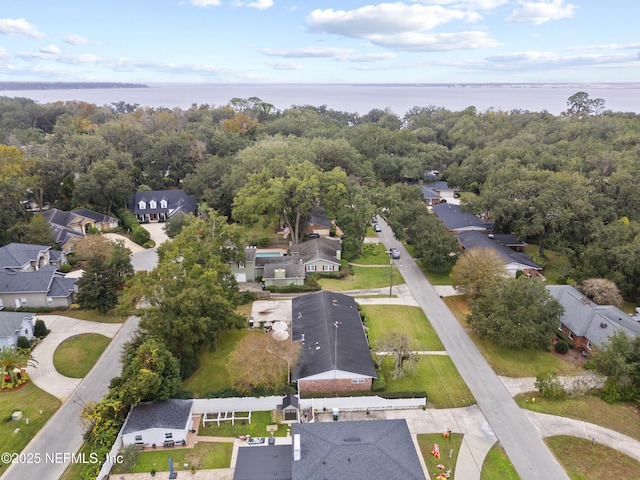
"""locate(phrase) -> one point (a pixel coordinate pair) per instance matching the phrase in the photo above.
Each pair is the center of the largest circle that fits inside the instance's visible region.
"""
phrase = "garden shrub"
(140, 235)
(40, 330)
(562, 347)
(566, 338)
(590, 365)
(549, 386)
(23, 343)
(66, 268)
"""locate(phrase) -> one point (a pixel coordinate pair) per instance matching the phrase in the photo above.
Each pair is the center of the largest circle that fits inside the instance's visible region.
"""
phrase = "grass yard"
(584, 461)
(212, 374)
(497, 466)
(507, 362)
(77, 355)
(621, 417)
(204, 456)
(435, 374)
(30, 400)
(381, 319)
(449, 449)
(257, 428)
(372, 254)
(556, 266)
(362, 278)
(91, 315)
(245, 311)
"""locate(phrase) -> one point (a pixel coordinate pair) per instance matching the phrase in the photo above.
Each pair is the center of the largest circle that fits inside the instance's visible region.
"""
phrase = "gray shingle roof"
(10, 322)
(177, 201)
(366, 450)
(428, 192)
(315, 316)
(318, 249)
(60, 217)
(62, 235)
(44, 281)
(454, 218)
(15, 255)
(319, 217)
(587, 319)
(292, 268)
(172, 413)
(477, 239)
(95, 216)
(260, 462)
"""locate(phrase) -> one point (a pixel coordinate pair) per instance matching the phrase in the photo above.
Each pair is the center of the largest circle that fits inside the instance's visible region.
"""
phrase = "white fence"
(110, 460)
(246, 404)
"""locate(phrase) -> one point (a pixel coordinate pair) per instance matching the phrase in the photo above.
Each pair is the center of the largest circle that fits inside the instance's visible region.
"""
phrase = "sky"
(332, 41)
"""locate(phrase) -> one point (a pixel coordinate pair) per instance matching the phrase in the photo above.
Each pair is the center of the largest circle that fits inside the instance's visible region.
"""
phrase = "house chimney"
(338, 254)
(296, 447)
(335, 303)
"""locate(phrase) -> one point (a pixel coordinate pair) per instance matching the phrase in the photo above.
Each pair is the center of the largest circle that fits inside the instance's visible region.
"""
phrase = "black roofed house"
(436, 192)
(160, 205)
(160, 423)
(588, 324)
(262, 462)
(14, 325)
(319, 254)
(365, 450)
(514, 261)
(456, 221)
(24, 257)
(319, 224)
(68, 228)
(335, 351)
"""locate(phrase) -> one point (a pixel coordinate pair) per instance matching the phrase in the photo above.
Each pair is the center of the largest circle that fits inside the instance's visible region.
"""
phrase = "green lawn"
(91, 315)
(212, 374)
(621, 417)
(362, 278)
(204, 455)
(497, 465)
(77, 355)
(557, 266)
(507, 362)
(30, 400)
(435, 374)
(372, 254)
(584, 461)
(449, 450)
(257, 428)
(381, 319)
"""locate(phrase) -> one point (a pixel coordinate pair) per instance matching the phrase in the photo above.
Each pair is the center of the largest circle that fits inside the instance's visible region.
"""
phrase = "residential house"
(24, 257)
(287, 272)
(160, 423)
(319, 254)
(455, 220)
(43, 288)
(514, 261)
(319, 224)
(439, 191)
(335, 351)
(68, 228)
(588, 324)
(160, 205)
(245, 270)
(14, 325)
(371, 449)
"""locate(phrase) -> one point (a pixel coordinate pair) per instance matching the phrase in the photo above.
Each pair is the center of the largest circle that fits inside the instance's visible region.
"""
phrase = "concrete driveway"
(44, 374)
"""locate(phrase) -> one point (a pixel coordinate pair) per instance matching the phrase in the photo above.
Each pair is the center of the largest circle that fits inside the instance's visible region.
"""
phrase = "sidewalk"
(43, 374)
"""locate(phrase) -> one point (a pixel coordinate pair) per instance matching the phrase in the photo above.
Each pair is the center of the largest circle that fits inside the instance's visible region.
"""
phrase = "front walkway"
(43, 374)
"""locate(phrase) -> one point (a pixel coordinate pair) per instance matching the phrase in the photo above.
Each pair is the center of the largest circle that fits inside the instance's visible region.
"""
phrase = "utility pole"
(388, 252)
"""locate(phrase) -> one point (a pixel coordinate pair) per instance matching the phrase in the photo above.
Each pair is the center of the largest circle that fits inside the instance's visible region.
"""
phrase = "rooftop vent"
(603, 325)
(335, 303)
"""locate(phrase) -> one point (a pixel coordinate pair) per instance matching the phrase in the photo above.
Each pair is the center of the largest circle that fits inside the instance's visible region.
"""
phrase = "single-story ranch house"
(588, 324)
(335, 351)
(162, 423)
(14, 325)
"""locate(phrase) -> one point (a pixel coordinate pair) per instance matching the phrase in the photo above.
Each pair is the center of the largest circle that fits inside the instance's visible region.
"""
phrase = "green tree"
(516, 313)
(432, 244)
(549, 386)
(97, 287)
(104, 185)
(13, 189)
(34, 230)
(12, 360)
(476, 270)
(401, 348)
(619, 359)
(149, 371)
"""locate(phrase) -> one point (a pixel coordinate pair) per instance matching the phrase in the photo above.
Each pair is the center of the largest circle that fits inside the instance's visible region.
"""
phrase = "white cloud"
(74, 39)
(340, 54)
(205, 3)
(435, 42)
(541, 12)
(284, 65)
(50, 49)
(383, 19)
(3, 53)
(259, 4)
(466, 4)
(19, 26)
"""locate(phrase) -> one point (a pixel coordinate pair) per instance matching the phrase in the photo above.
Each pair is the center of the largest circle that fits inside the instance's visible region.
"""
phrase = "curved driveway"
(517, 435)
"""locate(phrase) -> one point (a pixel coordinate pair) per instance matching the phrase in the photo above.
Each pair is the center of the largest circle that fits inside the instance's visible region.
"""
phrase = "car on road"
(377, 227)
(395, 253)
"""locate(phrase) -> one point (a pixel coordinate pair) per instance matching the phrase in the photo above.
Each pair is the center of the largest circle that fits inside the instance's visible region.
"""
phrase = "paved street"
(528, 453)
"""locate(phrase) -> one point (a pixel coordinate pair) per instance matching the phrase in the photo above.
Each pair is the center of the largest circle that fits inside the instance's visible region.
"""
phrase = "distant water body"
(358, 98)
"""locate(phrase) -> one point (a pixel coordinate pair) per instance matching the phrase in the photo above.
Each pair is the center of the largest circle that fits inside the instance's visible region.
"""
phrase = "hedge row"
(130, 223)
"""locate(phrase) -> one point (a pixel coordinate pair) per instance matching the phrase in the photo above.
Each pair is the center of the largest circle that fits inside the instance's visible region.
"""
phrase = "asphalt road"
(49, 453)
(523, 444)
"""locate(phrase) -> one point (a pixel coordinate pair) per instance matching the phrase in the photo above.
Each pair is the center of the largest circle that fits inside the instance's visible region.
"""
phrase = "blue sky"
(305, 41)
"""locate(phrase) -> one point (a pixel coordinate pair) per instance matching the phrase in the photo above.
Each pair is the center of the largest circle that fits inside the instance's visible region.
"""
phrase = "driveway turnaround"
(61, 436)
(522, 442)
(44, 374)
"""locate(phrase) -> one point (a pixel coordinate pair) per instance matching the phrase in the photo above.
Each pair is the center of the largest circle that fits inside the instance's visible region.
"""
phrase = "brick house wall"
(331, 385)
(579, 342)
